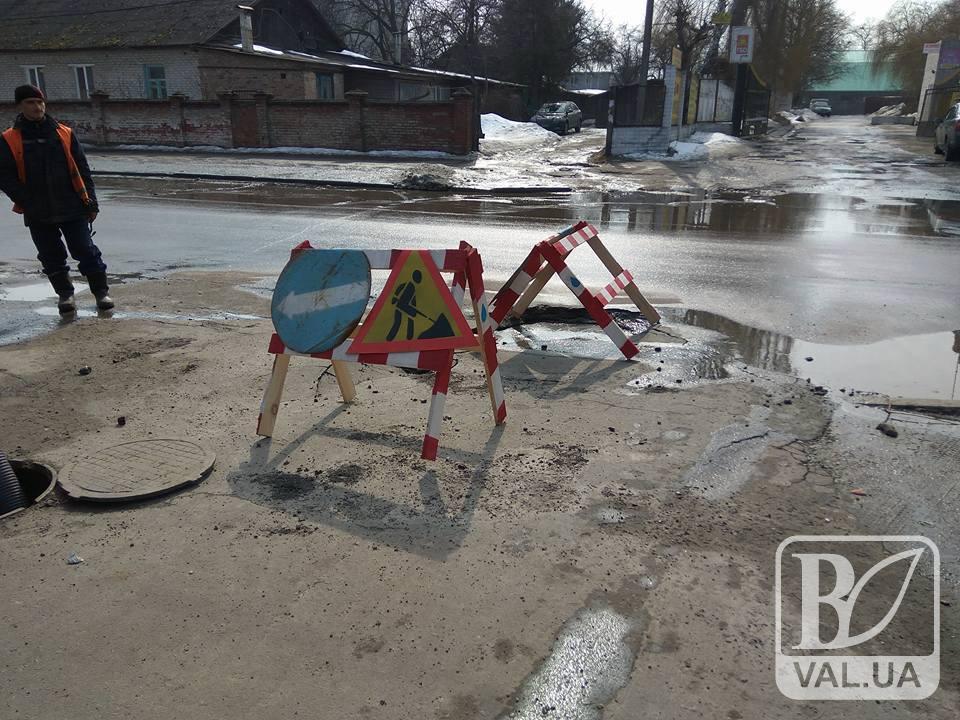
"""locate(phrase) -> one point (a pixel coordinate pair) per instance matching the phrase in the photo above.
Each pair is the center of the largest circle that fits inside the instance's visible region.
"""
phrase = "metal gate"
(936, 102)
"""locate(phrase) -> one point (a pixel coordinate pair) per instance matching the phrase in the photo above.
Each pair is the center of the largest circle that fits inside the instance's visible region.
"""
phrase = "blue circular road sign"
(320, 298)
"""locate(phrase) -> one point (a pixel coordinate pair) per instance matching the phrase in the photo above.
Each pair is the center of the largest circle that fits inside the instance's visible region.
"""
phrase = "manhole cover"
(137, 470)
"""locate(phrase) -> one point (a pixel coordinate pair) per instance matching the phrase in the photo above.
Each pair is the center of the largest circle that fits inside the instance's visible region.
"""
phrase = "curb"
(346, 184)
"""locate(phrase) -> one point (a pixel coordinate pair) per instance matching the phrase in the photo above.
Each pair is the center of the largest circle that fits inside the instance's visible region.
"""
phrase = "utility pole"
(737, 16)
(645, 61)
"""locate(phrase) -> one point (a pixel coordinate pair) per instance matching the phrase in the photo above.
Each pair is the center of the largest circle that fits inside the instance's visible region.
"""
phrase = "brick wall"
(354, 124)
(142, 122)
(117, 72)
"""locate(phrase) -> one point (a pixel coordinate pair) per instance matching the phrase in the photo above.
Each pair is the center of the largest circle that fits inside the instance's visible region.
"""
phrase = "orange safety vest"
(14, 139)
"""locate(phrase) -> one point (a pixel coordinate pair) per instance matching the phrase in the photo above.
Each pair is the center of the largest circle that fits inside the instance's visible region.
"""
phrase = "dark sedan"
(560, 117)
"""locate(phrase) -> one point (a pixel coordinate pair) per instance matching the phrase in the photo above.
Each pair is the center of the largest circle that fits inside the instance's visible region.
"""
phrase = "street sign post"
(741, 45)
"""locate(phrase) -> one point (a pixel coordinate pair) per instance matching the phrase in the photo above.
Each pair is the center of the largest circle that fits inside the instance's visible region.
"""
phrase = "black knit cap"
(24, 92)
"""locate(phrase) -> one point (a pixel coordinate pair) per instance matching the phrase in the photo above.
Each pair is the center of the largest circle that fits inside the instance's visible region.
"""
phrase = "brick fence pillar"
(463, 120)
(357, 119)
(176, 111)
(263, 119)
(226, 109)
(98, 101)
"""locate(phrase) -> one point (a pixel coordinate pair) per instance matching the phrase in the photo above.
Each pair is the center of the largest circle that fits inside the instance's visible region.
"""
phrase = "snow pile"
(794, 117)
(679, 150)
(714, 138)
(891, 110)
(785, 117)
(499, 128)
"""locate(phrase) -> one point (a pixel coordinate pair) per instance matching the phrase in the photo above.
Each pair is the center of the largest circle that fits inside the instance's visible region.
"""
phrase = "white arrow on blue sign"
(320, 298)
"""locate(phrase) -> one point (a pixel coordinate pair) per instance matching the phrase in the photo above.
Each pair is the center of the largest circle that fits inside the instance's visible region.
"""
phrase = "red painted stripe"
(276, 345)
(532, 264)
(501, 413)
(442, 382)
(629, 350)
(430, 446)
(504, 305)
(475, 275)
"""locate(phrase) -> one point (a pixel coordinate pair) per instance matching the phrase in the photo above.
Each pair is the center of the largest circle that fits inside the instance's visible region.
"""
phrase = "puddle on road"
(721, 212)
(28, 293)
(695, 346)
(632, 211)
(917, 366)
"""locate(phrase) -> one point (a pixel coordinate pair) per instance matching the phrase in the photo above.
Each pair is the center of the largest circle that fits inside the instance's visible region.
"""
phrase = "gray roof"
(76, 24)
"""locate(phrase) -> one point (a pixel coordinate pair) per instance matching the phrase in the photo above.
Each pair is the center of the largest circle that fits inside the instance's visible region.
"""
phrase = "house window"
(325, 87)
(155, 82)
(415, 92)
(35, 77)
(84, 77)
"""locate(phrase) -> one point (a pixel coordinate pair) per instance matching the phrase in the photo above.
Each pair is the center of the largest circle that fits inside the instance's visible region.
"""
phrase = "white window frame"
(87, 77)
(40, 79)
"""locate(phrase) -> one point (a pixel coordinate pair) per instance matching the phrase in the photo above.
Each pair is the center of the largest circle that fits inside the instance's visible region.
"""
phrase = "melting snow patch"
(714, 138)
(688, 151)
(499, 128)
(261, 49)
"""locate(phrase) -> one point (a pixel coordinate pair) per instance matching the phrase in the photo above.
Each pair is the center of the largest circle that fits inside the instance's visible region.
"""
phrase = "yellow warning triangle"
(414, 312)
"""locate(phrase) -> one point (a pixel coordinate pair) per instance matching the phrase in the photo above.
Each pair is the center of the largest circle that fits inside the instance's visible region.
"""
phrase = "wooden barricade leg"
(540, 281)
(431, 440)
(506, 298)
(488, 342)
(341, 371)
(632, 291)
(270, 405)
(593, 307)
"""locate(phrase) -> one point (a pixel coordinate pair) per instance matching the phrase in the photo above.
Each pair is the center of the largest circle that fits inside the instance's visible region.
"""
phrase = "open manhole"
(137, 470)
(35, 482)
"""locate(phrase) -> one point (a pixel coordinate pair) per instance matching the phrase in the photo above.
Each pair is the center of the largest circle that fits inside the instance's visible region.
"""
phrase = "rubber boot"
(98, 286)
(64, 290)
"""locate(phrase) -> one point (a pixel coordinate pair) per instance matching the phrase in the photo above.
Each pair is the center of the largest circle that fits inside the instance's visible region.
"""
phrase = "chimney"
(398, 48)
(246, 27)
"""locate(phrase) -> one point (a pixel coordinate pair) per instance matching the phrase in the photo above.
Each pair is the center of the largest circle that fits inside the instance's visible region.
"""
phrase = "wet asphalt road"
(821, 268)
(829, 269)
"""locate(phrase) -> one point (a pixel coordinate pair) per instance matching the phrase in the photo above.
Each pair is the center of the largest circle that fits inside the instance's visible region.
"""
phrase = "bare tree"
(799, 42)
(863, 35)
(903, 32)
(539, 42)
(373, 27)
(626, 55)
(461, 36)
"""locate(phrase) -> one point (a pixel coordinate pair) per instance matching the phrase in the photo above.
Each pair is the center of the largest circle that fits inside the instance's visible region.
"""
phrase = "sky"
(631, 11)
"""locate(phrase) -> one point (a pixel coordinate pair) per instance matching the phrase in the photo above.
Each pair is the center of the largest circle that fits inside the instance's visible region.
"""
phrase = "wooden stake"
(271, 398)
(342, 372)
(632, 291)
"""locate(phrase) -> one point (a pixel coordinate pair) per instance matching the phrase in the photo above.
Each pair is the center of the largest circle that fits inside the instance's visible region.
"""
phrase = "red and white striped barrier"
(547, 259)
(467, 267)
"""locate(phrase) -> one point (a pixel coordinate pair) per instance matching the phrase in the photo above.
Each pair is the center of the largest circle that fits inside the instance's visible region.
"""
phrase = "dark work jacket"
(48, 195)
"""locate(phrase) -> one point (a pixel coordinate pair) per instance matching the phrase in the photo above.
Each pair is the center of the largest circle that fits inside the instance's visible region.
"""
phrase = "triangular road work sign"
(414, 312)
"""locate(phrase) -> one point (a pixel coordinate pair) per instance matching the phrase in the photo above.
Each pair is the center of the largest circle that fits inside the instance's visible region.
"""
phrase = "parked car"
(948, 135)
(560, 117)
(821, 108)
